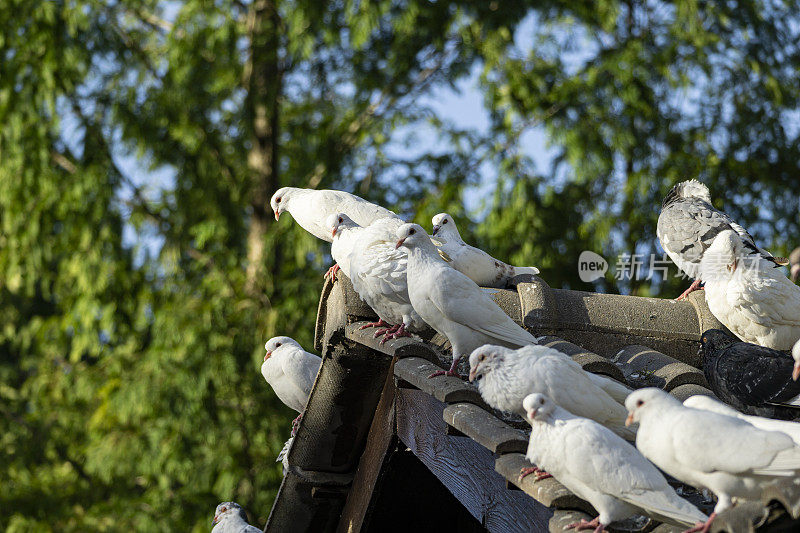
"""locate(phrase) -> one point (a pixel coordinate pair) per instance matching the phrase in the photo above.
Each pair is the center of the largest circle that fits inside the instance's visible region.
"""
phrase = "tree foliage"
(134, 304)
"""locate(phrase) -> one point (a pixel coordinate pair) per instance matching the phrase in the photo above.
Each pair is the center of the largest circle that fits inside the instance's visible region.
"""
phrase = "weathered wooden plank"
(400, 348)
(379, 438)
(464, 467)
(645, 367)
(340, 409)
(448, 389)
(485, 429)
(548, 492)
(297, 509)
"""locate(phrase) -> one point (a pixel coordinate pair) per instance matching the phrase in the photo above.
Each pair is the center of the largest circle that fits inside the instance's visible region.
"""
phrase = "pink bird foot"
(444, 373)
(332, 272)
(296, 424)
(540, 474)
(395, 332)
(451, 372)
(583, 524)
(379, 324)
(702, 527)
(695, 286)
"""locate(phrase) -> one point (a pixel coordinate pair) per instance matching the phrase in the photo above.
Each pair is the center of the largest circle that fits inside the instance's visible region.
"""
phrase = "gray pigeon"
(229, 517)
(688, 224)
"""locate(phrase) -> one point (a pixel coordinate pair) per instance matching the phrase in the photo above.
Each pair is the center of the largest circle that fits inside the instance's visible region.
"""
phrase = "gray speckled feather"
(688, 224)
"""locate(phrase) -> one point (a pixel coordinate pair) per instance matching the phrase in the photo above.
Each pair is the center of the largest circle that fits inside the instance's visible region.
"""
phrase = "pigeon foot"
(332, 272)
(702, 527)
(296, 424)
(444, 373)
(695, 286)
(395, 332)
(540, 474)
(452, 372)
(583, 524)
(379, 324)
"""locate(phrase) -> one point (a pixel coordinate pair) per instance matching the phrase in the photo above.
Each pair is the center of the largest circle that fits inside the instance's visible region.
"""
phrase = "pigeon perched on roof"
(756, 302)
(453, 304)
(505, 377)
(706, 403)
(753, 379)
(310, 208)
(377, 270)
(473, 262)
(600, 467)
(229, 517)
(290, 371)
(794, 264)
(688, 224)
(726, 455)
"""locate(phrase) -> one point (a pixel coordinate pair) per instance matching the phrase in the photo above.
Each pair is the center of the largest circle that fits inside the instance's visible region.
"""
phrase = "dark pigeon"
(751, 378)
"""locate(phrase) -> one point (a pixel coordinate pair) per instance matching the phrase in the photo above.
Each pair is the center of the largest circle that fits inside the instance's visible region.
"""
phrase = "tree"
(135, 306)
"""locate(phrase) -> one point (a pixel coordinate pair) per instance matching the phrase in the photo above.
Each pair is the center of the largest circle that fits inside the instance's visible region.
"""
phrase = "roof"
(368, 393)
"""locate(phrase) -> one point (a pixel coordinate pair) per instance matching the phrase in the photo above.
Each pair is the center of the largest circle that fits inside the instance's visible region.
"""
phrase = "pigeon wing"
(301, 370)
(460, 300)
(758, 375)
(729, 444)
(615, 467)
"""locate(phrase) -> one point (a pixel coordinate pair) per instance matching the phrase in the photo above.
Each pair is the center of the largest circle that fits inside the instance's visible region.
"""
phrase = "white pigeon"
(377, 270)
(726, 455)
(755, 301)
(453, 304)
(687, 224)
(229, 517)
(796, 357)
(290, 371)
(706, 403)
(600, 467)
(505, 377)
(310, 208)
(473, 262)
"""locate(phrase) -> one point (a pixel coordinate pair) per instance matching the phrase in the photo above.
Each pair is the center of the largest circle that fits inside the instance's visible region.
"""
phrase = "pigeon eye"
(278, 200)
(541, 401)
(639, 403)
(412, 231)
(445, 221)
(481, 357)
(277, 345)
(341, 220)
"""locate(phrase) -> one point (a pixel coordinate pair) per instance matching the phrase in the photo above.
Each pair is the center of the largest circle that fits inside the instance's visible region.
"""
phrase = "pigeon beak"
(214, 522)
(267, 355)
(796, 371)
(399, 243)
(333, 232)
(277, 214)
(435, 229)
(629, 420)
(532, 414)
(472, 374)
